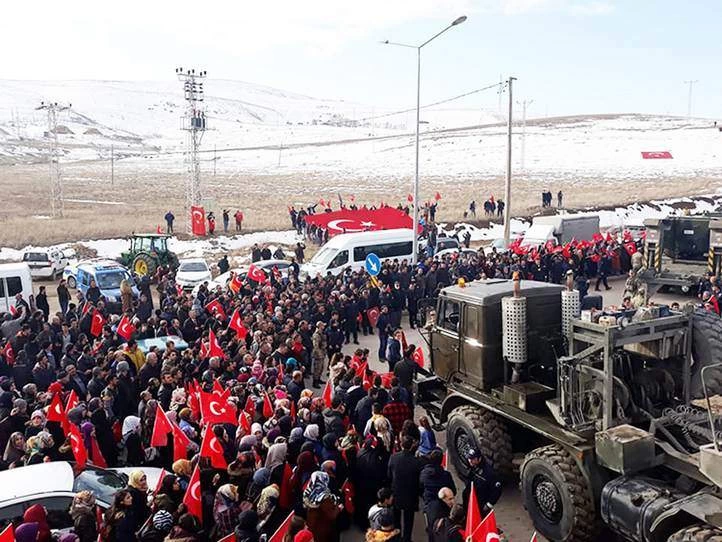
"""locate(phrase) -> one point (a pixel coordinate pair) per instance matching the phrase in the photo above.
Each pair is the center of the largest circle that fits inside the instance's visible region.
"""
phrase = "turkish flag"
(437, 196)
(8, 534)
(229, 538)
(358, 220)
(159, 483)
(236, 324)
(533, 537)
(215, 306)
(244, 421)
(256, 274)
(664, 155)
(597, 237)
(180, 443)
(198, 220)
(386, 379)
(267, 406)
(361, 369)
(13, 311)
(97, 323)
(478, 530)
(293, 410)
(327, 394)
(161, 428)
(214, 347)
(203, 352)
(9, 354)
(250, 406)
(373, 315)
(235, 284)
(212, 449)
(86, 307)
(78, 447)
(192, 498)
(630, 247)
(280, 533)
(96, 456)
(125, 328)
(285, 498)
(627, 236)
(348, 492)
(216, 409)
(418, 356)
(445, 460)
(56, 413)
(72, 401)
(410, 198)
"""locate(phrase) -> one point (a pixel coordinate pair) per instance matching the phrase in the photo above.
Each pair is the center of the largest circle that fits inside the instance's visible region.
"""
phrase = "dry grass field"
(140, 196)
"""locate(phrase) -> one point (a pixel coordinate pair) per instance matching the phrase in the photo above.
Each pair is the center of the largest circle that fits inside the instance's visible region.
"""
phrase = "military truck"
(612, 422)
(679, 250)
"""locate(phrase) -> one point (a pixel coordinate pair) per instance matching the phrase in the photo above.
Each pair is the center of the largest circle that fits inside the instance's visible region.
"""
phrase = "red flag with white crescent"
(373, 315)
(180, 443)
(236, 324)
(418, 356)
(215, 306)
(256, 274)
(161, 428)
(348, 492)
(125, 328)
(56, 413)
(78, 447)
(244, 421)
(96, 455)
(216, 409)
(250, 406)
(212, 449)
(235, 284)
(198, 220)
(8, 534)
(214, 347)
(327, 394)
(192, 497)
(96, 324)
(267, 406)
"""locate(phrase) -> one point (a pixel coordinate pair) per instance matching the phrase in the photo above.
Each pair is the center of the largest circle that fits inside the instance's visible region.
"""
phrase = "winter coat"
(431, 480)
(404, 469)
(333, 422)
(321, 520)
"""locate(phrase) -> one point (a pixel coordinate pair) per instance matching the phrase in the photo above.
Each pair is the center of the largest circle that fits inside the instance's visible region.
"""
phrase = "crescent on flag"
(334, 225)
(196, 490)
(215, 445)
(212, 406)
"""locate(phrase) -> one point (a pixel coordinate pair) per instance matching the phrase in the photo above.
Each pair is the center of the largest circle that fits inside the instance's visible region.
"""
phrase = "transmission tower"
(56, 181)
(194, 123)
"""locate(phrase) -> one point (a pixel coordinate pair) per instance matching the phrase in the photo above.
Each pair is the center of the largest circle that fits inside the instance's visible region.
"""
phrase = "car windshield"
(103, 483)
(193, 267)
(35, 257)
(324, 256)
(110, 280)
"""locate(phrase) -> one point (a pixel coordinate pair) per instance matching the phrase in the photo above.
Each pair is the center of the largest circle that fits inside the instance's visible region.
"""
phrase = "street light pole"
(457, 21)
(507, 185)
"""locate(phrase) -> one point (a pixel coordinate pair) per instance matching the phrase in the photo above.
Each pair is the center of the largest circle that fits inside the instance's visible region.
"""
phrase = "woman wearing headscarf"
(39, 447)
(261, 479)
(295, 441)
(37, 514)
(241, 471)
(322, 508)
(270, 513)
(170, 487)
(131, 447)
(138, 489)
(276, 454)
(183, 470)
(186, 531)
(103, 431)
(36, 423)
(14, 450)
(226, 508)
(312, 435)
(83, 513)
(247, 529)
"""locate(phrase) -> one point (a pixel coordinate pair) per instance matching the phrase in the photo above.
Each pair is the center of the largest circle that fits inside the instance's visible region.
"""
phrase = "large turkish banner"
(198, 220)
(352, 221)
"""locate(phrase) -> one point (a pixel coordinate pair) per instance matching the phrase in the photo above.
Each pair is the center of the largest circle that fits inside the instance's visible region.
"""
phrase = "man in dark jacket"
(63, 296)
(439, 508)
(433, 477)
(486, 484)
(404, 469)
(382, 324)
(333, 418)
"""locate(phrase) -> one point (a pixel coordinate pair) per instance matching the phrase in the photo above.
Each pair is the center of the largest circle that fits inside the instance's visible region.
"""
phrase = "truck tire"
(144, 264)
(557, 497)
(697, 533)
(472, 426)
(706, 350)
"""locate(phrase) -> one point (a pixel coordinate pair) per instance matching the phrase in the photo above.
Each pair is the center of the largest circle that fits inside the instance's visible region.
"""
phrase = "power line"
(440, 102)
(56, 181)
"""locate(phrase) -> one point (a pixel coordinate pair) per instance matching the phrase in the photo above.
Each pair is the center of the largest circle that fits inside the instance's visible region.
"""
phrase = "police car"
(107, 275)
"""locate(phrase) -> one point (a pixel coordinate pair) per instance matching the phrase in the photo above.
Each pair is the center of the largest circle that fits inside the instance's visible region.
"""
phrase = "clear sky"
(570, 56)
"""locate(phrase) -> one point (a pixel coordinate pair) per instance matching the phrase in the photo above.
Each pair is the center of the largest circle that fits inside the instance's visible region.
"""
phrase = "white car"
(453, 251)
(192, 272)
(497, 244)
(47, 263)
(221, 280)
(54, 485)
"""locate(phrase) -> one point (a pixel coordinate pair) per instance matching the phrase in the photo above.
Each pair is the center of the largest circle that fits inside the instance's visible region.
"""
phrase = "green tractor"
(148, 251)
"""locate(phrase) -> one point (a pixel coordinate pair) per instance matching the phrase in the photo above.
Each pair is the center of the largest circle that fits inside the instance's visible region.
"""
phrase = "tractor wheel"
(557, 497)
(143, 265)
(72, 283)
(697, 533)
(470, 426)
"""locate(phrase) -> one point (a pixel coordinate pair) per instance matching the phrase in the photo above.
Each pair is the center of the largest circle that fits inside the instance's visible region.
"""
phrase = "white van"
(14, 279)
(351, 249)
(47, 263)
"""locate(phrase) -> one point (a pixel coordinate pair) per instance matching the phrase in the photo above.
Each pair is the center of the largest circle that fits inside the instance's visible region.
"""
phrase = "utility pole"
(689, 96)
(56, 181)
(112, 166)
(500, 93)
(507, 186)
(194, 123)
(214, 160)
(524, 105)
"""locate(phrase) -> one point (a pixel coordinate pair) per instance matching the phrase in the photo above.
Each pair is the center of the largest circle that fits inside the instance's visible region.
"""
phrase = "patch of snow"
(95, 201)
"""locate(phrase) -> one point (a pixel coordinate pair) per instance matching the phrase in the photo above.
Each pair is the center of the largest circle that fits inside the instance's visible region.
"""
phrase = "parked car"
(15, 278)
(191, 272)
(452, 251)
(54, 485)
(107, 275)
(267, 265)
(47, 263)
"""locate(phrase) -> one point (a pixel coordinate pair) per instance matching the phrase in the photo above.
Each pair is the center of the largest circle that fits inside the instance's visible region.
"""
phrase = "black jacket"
(431, 480)
(404, 469)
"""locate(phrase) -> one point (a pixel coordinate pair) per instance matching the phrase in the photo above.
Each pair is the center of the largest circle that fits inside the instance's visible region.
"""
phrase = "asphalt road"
(511, 516)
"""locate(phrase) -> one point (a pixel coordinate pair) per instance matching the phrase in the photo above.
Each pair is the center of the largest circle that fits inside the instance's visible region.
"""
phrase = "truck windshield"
(324, 256)
(110, 280)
